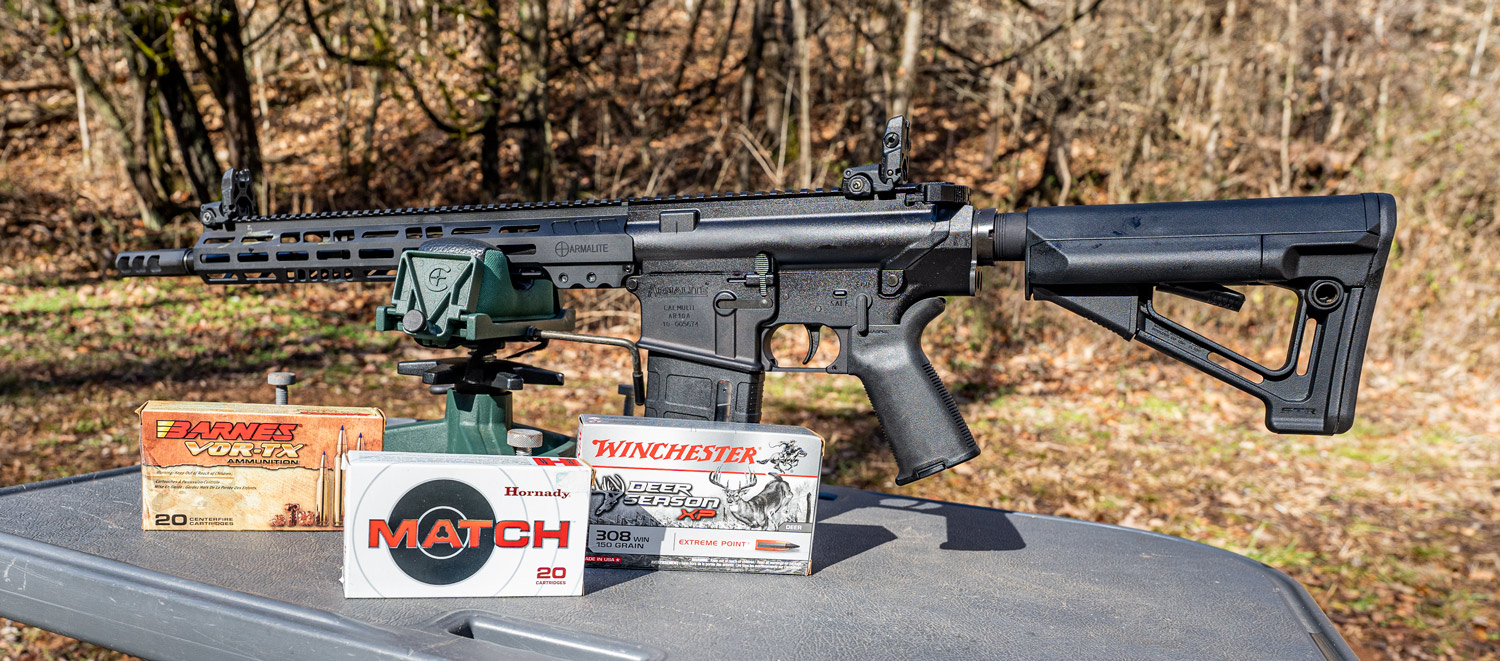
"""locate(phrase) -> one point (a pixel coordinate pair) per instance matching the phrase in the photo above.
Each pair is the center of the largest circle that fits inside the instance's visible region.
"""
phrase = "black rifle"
(717, 274)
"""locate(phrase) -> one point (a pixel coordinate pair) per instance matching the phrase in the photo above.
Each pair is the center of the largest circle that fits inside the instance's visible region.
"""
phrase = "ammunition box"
(216, 466)
(452, 525)
(707, 496)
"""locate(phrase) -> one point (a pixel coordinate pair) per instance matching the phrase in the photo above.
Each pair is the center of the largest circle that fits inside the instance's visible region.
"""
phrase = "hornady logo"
(607, 449)
(555, 493)
(225, 431)
(563, 248)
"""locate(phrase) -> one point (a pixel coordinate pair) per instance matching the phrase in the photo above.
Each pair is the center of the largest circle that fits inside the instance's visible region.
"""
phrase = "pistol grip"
(917, 414)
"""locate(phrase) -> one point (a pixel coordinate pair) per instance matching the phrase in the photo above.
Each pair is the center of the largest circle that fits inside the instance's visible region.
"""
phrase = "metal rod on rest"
(637, 377)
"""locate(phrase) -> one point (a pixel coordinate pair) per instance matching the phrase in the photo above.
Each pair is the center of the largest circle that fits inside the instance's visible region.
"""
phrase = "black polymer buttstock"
(1105, 262)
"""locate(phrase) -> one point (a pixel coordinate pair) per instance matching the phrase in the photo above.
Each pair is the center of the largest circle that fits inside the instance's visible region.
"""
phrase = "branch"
(24, 86)
(380, 61)
(976, 66)
(610, 25)
(416, 93)
(33, 116)
(346, 57)
(282, 7)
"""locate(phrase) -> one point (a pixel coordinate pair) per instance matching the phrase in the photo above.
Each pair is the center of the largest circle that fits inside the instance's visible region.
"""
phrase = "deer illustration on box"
(758, 510)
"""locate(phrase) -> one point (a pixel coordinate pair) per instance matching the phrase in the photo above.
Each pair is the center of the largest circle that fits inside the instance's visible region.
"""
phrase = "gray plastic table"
(893, 578)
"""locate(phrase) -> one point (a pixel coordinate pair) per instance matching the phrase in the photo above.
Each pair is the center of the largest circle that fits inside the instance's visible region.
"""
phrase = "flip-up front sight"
(890, 172)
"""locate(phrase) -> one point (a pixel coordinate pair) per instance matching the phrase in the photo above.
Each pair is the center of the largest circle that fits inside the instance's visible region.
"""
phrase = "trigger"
(814, 334)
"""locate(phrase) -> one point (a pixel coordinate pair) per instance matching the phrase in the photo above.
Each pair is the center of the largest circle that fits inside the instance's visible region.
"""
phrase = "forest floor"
(1392, 527)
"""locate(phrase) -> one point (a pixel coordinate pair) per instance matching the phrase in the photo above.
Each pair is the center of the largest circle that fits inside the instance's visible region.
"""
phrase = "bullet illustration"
(322, 461)
(338, 481)
(773, 545)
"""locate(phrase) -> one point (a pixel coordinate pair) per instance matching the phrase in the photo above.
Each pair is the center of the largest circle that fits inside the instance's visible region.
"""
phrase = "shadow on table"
(596, 579)
(969, 528)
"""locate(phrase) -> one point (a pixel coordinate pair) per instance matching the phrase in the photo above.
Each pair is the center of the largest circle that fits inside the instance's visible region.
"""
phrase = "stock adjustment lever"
(1207, 292)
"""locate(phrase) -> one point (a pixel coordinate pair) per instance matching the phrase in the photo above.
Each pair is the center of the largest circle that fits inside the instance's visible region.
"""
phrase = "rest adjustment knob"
(413, 321)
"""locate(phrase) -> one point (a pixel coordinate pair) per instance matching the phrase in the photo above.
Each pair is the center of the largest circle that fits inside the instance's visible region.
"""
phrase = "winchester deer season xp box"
(214, 466)
(710, 496)
(448, 525)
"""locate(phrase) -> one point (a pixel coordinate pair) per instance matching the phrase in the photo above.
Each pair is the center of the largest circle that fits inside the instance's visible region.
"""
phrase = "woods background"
(118, 117)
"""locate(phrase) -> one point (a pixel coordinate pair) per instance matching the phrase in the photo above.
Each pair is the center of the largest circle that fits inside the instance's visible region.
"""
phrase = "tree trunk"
(1056, 173)
(489, 158)
(774, 62)
(748, 79)
(804, 94)
(147, 161)
(874, 84)
(493, 36)
(151, 133)
(154, 209)
(911, 42)
(143, 29)
(531, 100)
(996, 105)
(194, 147)
(230, 82)
(367, 161)
(153, 58)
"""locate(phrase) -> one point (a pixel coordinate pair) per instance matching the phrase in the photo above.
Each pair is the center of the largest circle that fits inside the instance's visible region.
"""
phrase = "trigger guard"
(839, 364)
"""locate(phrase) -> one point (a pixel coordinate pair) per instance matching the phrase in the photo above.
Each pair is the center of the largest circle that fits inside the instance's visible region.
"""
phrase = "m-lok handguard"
(871, 261)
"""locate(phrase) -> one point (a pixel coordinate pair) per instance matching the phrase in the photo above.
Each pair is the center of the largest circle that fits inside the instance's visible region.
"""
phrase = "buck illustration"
(607, 494)
(755, 512)
(608, 497)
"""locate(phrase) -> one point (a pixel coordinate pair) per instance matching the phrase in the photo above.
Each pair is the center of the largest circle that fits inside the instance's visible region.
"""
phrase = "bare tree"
(537, 161)
(219, 45)
(749, 75)
(148, 34)
(804, 93)
(911, 42)
(155, 208)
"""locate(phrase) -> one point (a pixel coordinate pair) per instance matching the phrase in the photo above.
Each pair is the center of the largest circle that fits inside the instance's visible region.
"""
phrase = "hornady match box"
(213, 466)
(448, 525)
(711, 496)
